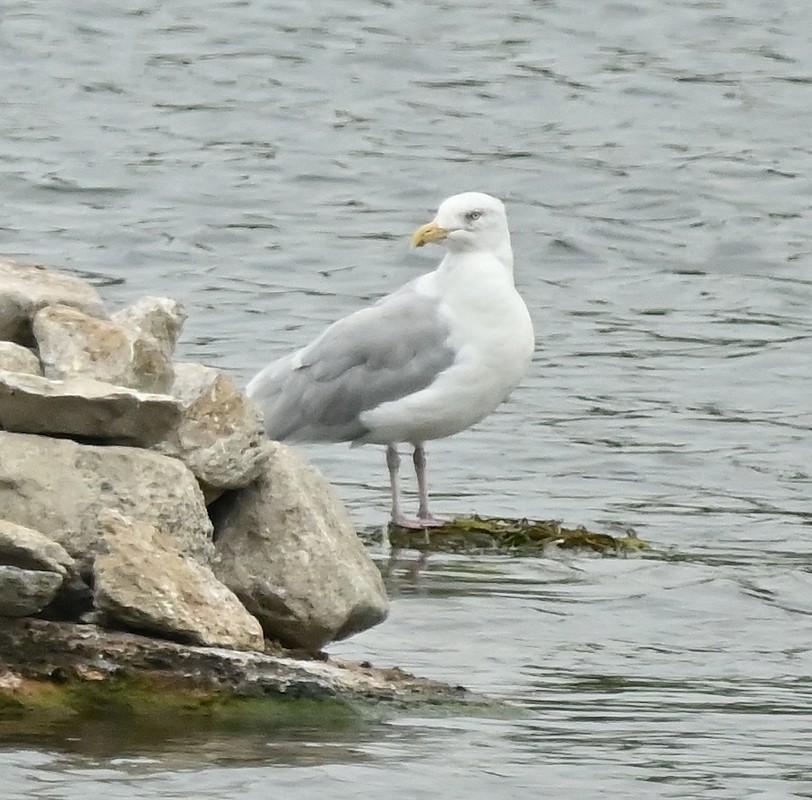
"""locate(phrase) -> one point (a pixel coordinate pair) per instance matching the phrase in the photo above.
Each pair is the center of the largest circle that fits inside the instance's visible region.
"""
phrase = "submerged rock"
(60, 487)
(16, 358)
(286, 547)
(502, 534)
(26, 288)
(143, 583)
(84, 408)
(220, 437)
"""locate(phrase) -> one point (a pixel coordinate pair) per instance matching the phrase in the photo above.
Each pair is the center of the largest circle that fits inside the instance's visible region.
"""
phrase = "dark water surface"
(264, 163)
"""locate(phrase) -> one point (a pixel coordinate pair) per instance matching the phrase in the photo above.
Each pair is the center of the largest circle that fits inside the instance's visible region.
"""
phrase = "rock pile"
(139, 493)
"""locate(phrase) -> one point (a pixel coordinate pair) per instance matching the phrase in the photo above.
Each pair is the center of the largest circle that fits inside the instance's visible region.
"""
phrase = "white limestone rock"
(132, 349)
(60, 488)
(85, 408)
(16, 358)
(144, 584)
(29, 549)
(286, 547)
(220, 437)
(26, 288)
(25, 592)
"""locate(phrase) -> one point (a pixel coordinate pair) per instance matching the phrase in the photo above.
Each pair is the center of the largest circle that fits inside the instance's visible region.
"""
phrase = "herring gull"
(425, 362)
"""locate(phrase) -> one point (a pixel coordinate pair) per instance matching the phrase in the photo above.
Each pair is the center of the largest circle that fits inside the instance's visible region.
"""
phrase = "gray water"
(265, 162)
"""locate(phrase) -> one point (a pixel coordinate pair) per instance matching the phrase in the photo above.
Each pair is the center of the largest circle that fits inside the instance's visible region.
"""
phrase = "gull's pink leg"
(393, 465)
(423, 514)
(398, 517)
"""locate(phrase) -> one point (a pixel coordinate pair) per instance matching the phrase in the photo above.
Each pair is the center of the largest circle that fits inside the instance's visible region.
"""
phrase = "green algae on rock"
(502, 534)
(59, 670)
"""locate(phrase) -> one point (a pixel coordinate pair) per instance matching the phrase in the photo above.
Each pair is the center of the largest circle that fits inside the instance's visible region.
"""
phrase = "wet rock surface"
(507, 535)
(87, 655)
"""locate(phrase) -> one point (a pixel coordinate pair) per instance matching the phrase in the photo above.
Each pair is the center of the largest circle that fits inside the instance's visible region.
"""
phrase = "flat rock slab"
(85, 408)
(58, 656)
(26, 288)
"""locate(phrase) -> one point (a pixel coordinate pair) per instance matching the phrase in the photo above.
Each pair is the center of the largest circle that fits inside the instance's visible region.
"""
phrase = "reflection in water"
(284, 733)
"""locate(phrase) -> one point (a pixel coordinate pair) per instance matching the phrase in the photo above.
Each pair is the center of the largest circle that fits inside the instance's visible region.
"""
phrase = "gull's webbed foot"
(417, 523)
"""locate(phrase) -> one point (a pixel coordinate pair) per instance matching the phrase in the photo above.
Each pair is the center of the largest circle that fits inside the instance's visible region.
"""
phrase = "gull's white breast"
(492, 337)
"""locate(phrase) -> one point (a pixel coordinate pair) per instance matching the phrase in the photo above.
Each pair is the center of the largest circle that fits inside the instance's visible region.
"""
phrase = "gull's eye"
(473, 216)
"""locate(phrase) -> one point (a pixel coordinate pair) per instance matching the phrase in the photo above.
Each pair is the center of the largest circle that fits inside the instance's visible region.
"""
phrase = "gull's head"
(469, 221)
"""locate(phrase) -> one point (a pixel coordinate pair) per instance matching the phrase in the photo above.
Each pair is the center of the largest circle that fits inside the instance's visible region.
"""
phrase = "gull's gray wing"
(387, 351)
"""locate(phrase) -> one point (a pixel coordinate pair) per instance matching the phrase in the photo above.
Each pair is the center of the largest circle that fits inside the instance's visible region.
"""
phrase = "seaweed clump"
(506, 535)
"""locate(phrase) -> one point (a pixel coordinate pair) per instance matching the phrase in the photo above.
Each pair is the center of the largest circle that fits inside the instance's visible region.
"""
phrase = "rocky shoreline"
(50, 666)
(148, 530)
